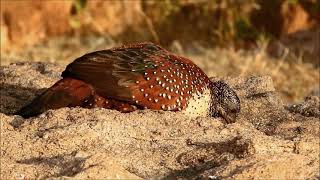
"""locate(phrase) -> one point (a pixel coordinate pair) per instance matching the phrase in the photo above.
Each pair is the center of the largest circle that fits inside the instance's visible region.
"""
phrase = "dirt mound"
(267, 141)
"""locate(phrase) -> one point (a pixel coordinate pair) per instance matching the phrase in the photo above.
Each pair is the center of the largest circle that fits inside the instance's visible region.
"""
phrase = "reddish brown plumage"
(171, 85)
(126, 78)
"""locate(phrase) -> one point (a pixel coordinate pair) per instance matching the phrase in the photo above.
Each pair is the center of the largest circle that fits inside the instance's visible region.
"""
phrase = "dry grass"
(294, 80)
(62, 50)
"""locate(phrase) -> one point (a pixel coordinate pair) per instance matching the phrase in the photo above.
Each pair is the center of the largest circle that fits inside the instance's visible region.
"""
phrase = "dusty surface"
(270, 140)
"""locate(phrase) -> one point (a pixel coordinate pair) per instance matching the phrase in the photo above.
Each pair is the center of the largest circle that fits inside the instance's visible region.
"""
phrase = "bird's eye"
(233, 111)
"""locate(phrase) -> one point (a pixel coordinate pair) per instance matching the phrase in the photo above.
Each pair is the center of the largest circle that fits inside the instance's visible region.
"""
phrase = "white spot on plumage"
(199, 104)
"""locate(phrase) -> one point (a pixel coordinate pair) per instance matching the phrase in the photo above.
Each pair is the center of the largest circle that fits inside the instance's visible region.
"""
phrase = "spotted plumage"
(138, 76)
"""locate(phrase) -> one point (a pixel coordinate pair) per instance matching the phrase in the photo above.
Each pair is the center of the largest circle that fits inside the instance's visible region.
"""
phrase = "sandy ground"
(270, 140)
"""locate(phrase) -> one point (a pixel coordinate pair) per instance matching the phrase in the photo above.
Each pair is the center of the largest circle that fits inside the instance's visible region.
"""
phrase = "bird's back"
(142, 75)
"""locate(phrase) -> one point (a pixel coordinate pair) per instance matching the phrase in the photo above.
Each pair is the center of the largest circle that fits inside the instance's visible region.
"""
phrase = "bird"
(135, 77)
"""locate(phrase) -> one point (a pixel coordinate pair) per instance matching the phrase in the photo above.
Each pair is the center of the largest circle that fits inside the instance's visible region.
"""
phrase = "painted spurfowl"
(137, 76)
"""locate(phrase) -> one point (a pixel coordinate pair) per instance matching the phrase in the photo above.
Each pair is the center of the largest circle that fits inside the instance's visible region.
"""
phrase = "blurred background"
(279, 38)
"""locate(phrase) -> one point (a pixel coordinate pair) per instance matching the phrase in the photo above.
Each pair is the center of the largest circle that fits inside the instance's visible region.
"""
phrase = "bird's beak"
(228, 117)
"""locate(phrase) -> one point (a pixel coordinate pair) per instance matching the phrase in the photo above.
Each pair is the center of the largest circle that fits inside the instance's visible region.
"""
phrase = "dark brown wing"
(114, 72)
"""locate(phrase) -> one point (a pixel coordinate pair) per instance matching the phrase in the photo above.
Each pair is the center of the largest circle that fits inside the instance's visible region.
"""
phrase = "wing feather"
(113, 72)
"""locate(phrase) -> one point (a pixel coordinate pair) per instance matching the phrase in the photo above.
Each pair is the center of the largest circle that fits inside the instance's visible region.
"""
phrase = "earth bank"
(270, 140)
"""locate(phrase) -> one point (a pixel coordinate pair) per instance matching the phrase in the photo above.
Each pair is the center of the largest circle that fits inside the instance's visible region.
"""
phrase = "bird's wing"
(114, 72)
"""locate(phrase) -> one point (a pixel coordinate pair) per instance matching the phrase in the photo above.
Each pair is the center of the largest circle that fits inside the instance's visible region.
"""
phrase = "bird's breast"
(198, 104)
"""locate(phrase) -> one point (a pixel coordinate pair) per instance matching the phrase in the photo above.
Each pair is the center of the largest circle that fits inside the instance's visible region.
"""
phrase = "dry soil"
(270, 140)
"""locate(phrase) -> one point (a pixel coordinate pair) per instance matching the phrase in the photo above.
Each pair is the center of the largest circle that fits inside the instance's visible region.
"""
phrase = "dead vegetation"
(242, 38)
(293, 78)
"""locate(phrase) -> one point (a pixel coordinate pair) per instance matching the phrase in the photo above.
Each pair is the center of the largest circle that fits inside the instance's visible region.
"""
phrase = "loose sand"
(270, 140)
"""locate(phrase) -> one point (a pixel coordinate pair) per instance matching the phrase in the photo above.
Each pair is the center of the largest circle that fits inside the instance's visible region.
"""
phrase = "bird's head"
(224, 101)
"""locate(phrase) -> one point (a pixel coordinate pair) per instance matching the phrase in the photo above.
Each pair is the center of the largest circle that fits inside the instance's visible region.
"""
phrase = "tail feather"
(67, 92)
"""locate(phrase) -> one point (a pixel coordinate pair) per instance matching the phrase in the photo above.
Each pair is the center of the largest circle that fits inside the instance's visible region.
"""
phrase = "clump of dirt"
(267, 141)
(310, 107)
